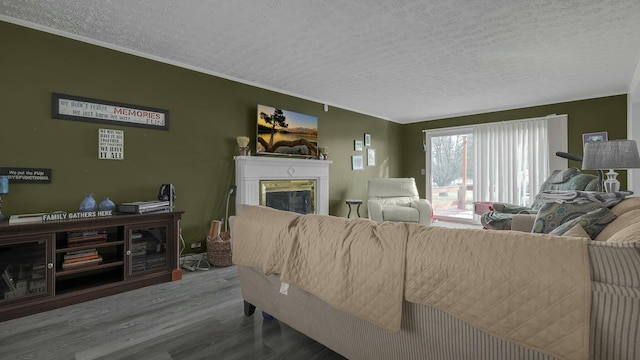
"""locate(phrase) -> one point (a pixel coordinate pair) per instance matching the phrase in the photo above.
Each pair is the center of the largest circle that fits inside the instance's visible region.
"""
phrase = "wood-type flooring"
(198, 317)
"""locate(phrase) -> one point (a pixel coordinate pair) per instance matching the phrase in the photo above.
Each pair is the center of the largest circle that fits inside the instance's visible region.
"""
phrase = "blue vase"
(88, 204)
(106, 204)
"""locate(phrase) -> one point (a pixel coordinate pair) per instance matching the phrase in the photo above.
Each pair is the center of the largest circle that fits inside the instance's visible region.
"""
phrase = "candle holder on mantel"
(323, 153)
(243, 142)
(4, 190)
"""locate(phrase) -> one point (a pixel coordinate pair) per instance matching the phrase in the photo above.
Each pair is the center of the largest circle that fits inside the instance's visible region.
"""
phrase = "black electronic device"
(166, 191)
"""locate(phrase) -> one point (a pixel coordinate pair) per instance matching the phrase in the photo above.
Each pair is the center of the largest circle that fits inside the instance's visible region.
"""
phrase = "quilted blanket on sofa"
(532, 289)
(356, 266)
(262, 237)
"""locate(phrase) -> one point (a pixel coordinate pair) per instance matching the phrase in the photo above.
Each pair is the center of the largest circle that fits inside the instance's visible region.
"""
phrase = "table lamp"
(4, 189)
(613, 154)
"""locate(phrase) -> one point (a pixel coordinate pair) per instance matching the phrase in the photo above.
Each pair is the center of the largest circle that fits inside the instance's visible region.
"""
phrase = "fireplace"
(284, 183)
(289, 195)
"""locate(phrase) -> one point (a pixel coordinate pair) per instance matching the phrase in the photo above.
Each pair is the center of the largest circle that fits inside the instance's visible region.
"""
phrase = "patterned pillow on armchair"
(592, 222)
(553, 214)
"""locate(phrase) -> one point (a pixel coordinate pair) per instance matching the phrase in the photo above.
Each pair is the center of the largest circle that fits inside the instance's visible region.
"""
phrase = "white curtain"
(511, 160)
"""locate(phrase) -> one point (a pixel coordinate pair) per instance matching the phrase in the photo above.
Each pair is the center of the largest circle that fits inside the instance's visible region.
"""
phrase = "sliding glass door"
(505, 161)
(450, 171)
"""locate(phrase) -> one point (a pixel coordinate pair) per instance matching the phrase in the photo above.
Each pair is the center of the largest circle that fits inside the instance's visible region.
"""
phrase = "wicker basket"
(219, 250)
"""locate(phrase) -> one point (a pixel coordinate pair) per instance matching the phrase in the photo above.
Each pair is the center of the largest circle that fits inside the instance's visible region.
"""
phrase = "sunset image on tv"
(285, 132)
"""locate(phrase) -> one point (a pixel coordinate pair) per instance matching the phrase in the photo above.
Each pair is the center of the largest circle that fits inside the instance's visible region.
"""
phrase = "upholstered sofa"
(371, 290)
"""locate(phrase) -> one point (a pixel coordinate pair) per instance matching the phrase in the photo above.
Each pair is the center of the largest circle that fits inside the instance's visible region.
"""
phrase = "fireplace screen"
(289, 195)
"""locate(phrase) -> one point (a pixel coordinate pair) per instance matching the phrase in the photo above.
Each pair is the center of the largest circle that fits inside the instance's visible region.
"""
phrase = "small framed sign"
(596, 136)
(69, 107)
(371, 157)
(357, 162)
(110, 144)
(367, 139)
(19, 175)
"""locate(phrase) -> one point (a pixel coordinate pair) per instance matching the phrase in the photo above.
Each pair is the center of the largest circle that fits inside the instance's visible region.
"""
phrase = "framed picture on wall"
(596, 136)
(71, 107)
(357, 162)
(357, 145)
(367, 139)
(371, 157)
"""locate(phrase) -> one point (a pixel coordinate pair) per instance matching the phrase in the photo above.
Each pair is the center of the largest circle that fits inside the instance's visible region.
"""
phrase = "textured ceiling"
(399, 60)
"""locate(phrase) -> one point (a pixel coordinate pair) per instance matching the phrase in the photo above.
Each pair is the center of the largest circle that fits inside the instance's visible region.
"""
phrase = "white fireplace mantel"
(251, 169)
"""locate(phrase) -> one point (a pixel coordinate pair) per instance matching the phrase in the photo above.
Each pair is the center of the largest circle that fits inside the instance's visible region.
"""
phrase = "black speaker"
(167, 193)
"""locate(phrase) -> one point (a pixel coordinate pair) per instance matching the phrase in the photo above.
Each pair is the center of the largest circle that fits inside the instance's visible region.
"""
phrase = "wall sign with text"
(110, 144)
(69, 107)
(19, 175)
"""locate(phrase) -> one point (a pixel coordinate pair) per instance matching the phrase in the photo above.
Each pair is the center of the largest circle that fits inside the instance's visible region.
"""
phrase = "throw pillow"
(630, 233)
(628, 204)
(592, 222)
(561, 176)
(622, 222)
(553, 214)
(576, 231)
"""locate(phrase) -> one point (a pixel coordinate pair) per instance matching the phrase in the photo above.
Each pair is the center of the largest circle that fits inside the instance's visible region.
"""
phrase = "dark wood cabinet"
(48, 265)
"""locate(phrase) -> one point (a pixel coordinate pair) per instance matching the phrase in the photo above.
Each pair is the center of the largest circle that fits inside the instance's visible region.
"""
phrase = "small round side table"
(353, 202)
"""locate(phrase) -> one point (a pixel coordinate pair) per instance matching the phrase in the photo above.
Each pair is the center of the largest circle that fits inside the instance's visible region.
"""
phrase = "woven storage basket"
(219, 250)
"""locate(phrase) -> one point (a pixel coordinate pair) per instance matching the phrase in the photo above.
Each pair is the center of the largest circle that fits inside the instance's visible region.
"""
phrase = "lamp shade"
(613, 154)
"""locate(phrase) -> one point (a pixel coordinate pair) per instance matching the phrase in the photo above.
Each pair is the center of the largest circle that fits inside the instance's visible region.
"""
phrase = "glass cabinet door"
(147, 249)
(24, 268)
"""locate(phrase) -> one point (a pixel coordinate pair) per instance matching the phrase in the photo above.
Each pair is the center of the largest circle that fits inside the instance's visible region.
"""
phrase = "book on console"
(82, 252)
(90, 252)
(29, 218)
(25, 218)
(81, 239)
(78, 264)
(138, 207)
(75, 234)
(79, 259)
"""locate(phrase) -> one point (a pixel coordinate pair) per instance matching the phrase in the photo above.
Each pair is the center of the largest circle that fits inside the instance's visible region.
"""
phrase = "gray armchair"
(397, 199)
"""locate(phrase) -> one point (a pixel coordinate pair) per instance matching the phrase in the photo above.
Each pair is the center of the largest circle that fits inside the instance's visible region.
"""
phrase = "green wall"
(196, 154)
(584, 116)
(207, 113)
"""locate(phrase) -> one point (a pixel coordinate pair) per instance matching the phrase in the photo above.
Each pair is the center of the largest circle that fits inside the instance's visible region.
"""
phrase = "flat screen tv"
(284, 132)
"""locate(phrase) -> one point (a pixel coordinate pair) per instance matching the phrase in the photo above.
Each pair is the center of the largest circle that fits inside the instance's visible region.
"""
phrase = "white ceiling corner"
(400, 60)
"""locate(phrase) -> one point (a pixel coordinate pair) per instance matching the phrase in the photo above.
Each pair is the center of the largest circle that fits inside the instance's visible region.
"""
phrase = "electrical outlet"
(196, 245)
